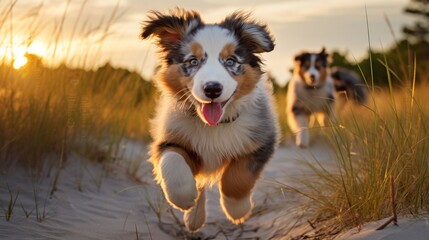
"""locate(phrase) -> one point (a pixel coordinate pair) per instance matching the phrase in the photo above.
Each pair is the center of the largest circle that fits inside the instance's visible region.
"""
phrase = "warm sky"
(295, 24)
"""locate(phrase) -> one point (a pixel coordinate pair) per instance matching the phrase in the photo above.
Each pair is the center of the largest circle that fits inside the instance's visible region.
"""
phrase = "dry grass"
(386, 139)
(48, 111)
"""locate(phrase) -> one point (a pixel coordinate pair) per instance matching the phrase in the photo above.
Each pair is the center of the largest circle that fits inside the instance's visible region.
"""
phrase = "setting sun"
(19, 62)
(17, 53)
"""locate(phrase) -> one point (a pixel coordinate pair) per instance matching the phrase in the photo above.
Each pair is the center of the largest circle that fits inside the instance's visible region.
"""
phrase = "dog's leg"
(323, 119)
(235, 187)
(177, 180)
(196, 216)
(299, 120)
(302, 134)
(312, 120)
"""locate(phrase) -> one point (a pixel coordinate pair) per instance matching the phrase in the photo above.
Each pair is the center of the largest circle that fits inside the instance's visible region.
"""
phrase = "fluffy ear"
(254, 35)
(301, 56)
(323, 53)
(298, 57)
(171, 28)
(325, 57)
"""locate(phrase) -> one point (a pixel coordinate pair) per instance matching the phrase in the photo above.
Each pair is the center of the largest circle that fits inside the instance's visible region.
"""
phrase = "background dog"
(214, 121)
(313, 91)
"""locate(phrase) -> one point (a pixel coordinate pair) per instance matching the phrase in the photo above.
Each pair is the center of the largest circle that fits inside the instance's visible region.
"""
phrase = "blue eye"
(230, 62)
(193, 62)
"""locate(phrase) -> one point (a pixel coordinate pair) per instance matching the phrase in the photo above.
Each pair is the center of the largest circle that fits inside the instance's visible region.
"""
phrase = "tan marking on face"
(227, 51)
(197, 50)
(301, 68)
(237, 180)
(247, 81)
(172, 80)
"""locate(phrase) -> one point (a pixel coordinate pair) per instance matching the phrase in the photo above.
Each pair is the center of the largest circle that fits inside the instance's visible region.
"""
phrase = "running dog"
(314, 90)
(215, 121)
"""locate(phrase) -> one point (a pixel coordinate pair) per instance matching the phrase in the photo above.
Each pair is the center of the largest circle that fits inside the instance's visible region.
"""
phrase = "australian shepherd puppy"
(313, 91)
(214, 121)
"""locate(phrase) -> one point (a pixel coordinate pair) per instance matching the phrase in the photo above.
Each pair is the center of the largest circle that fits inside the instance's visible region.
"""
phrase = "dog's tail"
(349, 85)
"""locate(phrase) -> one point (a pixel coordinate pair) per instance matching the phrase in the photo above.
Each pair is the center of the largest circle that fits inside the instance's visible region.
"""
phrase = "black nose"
(212, 89)
(313, 77)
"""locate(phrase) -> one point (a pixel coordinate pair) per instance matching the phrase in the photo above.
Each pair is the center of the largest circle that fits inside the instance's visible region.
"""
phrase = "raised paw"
(178, 183)
(237, 210)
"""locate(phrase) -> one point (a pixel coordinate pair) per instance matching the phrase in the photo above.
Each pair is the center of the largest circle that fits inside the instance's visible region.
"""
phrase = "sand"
(409, 227)
(95, 201)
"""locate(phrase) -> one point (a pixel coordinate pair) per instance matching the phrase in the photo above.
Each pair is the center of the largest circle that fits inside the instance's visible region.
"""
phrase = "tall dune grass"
(49, 109)
(280, 94)
(381, 145)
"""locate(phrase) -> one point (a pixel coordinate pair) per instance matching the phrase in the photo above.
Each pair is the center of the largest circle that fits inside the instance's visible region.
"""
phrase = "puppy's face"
(312, 67)
(208, 65)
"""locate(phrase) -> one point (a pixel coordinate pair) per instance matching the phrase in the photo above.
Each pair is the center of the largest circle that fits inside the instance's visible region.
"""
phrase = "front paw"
(237, 210)
(302, 139)
(178, 182)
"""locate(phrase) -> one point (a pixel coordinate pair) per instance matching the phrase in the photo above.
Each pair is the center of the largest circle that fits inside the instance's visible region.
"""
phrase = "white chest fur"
(216, 144)
(312, 99)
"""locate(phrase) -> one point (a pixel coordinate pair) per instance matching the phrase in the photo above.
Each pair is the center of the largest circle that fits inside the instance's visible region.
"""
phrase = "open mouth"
(212, 112)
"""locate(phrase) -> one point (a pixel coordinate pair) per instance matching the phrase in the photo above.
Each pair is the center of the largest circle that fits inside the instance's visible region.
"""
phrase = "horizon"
(296, 26)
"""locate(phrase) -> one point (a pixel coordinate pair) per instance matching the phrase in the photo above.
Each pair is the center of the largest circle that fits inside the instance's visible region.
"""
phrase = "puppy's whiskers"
(184, 102)
(191, 104)
(184, 91)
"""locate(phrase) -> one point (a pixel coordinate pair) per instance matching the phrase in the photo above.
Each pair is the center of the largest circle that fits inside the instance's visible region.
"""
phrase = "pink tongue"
(211, 112)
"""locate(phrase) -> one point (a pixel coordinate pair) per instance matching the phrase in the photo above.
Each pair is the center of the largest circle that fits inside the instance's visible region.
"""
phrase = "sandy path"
(93, 202)
(96, 202)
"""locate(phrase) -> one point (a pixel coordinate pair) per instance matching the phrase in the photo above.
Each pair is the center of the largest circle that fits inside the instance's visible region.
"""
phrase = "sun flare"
(20, 62)
(17, 53)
